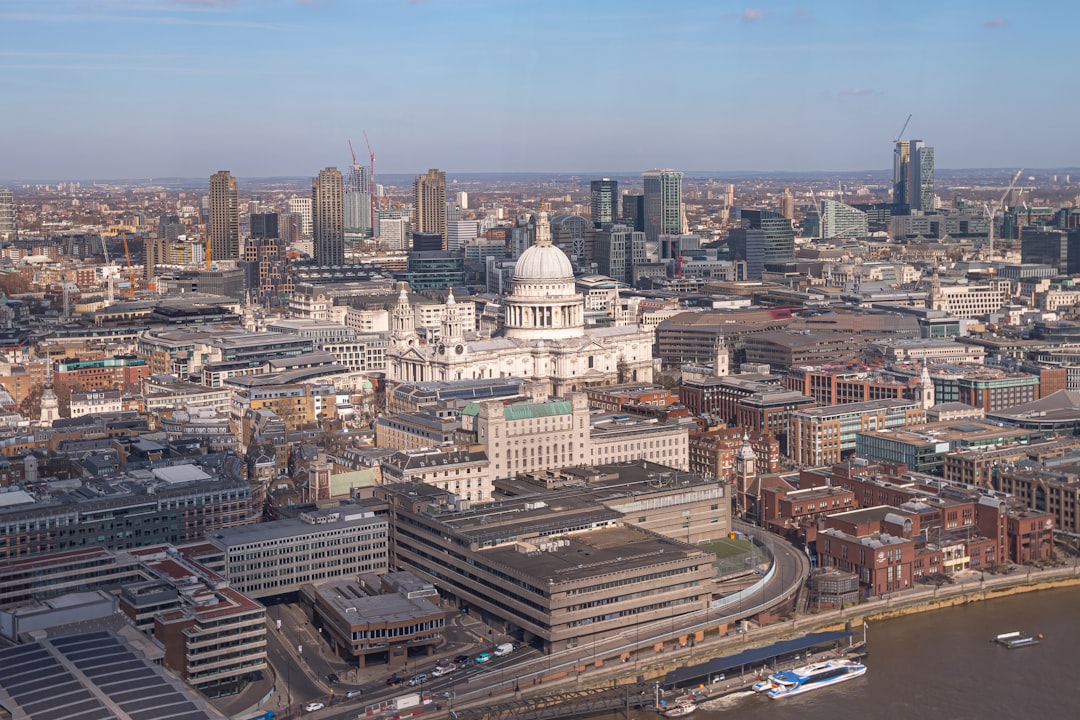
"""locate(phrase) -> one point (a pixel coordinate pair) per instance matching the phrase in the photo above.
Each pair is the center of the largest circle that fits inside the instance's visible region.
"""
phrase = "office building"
(913, 177)
(766, 236)
(278, 557)
(605, 201)
(663, 203)
(429, 203)
(263, 225)
(357, 201)
(576, 570)
(842, 221)
(7, 214)
(392, 229)
(224, 217)
(302, 206)
(823, 435)
(186, 503)
(328, 217)
(1049, 246)
(460, 233)
(633, 211)
(618, 248)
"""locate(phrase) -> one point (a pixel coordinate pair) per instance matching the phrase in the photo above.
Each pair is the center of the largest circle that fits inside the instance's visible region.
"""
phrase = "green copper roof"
(529, 411)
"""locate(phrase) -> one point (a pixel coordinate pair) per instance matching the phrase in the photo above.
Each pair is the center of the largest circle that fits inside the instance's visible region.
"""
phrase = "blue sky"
(141, 88)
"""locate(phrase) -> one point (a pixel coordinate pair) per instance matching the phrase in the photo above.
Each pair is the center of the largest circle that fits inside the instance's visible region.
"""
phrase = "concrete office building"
(551, 574)
(662, 204)
(278, 557)
(302, 206)
(224, 230)
(429, 203)
(328, 217)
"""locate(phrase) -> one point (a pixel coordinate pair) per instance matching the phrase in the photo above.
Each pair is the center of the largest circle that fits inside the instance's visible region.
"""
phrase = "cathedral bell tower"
(403, 321)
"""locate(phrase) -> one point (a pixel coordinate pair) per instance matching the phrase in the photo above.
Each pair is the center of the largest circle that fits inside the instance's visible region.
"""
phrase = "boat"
(762, 685)
(680, 710)
(788, 683)
(1017, 639)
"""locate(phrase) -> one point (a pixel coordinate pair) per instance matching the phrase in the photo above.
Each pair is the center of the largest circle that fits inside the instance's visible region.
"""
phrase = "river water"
(942, 665)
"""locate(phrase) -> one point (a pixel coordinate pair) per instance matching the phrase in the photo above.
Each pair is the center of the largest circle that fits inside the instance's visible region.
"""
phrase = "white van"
(504, 649)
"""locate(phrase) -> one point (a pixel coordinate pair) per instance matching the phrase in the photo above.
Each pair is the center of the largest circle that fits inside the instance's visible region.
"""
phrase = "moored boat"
(1017, 639)
(680, 710)
(787, 683)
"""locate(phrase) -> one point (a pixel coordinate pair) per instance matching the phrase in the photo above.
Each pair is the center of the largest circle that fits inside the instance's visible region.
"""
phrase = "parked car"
(418, 678)
(483, 657)
(354, 693)
(312, 707)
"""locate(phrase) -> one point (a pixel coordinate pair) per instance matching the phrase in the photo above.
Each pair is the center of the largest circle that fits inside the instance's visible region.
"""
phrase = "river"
(942, 665)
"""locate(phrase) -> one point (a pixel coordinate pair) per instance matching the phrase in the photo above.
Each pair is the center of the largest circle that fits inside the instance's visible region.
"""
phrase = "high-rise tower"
(605, 201)
(224, 232)
(328, 217)
(358, 200)
(663, 203)
(913, 176)
(429, 203)
(7, 214)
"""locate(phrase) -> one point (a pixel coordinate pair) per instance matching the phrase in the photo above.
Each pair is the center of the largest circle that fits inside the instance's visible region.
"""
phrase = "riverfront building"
(554, 575)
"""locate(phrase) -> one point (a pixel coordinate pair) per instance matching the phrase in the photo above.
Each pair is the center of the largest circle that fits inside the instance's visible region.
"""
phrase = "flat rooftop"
(585, 555)
(291, 527)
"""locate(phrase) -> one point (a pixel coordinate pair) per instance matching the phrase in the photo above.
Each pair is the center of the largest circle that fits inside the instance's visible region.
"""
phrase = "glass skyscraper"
(663, 204)
(913, 176)
(605, 201)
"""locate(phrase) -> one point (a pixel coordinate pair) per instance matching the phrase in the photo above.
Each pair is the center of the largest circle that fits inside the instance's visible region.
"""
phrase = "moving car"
(442, 670)
(483, 657)
(418, 678)
(354, 693)
(312, 707)
(504, 649)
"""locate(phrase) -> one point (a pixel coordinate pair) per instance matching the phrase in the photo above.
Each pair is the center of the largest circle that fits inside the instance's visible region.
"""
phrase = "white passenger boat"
(787, 683)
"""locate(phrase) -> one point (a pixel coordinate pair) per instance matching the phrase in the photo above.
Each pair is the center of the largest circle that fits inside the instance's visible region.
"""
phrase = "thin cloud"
(996, 23)
(204, 3)
(856, 91)
(132, 19)
(750, 15)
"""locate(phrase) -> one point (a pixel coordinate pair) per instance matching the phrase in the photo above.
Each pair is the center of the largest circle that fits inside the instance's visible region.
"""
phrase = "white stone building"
(544, 341)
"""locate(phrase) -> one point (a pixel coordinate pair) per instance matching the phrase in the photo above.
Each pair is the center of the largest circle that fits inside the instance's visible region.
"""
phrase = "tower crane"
(131, 273)
(902, 129)
(991, 213)
(371, 156)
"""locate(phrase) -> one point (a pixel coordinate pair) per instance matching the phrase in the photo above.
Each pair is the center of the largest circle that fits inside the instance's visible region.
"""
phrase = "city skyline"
(179, 88)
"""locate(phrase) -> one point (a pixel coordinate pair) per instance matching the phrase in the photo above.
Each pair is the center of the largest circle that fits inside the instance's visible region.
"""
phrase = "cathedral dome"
(543, 262)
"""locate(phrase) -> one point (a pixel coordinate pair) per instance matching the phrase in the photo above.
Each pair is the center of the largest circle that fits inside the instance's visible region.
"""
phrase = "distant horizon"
(581, 174)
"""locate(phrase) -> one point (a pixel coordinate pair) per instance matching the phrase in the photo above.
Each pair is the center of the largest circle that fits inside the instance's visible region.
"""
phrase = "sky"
(109, 89)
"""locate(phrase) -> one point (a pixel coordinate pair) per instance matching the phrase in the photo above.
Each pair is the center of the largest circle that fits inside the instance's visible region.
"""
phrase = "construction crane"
(991, 213)
(371, 156)
(902, 129)
(131, 273)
